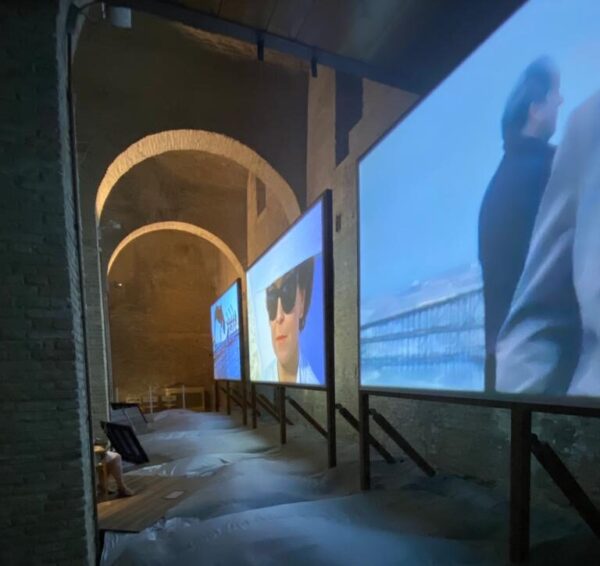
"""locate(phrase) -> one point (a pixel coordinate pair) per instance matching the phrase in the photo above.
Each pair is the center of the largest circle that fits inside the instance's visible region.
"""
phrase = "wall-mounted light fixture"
(118, 16)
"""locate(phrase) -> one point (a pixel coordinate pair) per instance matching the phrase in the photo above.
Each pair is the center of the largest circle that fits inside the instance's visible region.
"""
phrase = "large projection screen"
(286, 291)
(479, 223)
(226, 330)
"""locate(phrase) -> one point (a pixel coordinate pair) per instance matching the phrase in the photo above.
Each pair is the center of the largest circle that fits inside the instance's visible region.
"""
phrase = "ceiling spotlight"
(118, 16)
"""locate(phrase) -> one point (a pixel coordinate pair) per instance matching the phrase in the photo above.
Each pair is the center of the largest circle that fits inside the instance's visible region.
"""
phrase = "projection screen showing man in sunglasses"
(285, 289)
(288, 301)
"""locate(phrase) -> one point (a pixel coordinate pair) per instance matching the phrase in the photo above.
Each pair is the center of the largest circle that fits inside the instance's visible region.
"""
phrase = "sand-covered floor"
(263, 504)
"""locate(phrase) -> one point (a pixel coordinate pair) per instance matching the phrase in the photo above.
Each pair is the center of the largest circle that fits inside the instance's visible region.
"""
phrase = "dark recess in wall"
(261, 196)
(348, 111)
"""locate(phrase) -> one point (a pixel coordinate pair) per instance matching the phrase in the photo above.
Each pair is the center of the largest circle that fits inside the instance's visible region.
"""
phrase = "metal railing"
(435, 337)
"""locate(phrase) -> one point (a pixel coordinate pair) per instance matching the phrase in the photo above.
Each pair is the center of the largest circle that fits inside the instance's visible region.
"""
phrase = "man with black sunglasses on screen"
(288, 302)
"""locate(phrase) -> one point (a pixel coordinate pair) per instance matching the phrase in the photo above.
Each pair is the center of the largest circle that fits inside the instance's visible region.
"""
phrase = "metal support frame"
(363, 441)
(278, 411)
(402, 443)
(522, 445)
(253, 404)
(245, 404)
(236, 398)
(240, 401)
(307, 417)
(270, 408)
(267, 406)
(331, 426)
(281, 411)
(355, 424)
(567, 483)
(216, 401)
(328, 261)
(227, 399)
(520, 476)
(232, 395)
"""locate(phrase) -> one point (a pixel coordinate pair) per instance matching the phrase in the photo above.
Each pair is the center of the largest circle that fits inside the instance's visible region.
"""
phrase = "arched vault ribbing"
(182, 227)
(200, 140)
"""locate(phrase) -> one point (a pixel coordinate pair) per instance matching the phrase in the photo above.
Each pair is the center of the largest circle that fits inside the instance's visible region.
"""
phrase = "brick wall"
(46, 514)
(96, 338)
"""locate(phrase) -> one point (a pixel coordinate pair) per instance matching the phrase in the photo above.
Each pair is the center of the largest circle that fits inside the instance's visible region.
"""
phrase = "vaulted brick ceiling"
(186, 186)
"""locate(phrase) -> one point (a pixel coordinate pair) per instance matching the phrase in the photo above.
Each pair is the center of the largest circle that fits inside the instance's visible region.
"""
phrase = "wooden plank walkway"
(147, 505)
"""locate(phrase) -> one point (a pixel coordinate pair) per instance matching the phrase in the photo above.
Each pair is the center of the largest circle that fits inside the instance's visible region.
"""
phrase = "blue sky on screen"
(421, 187)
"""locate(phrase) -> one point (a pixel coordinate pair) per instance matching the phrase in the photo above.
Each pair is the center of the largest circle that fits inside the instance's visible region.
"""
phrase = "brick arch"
(182, 227)
(200, 140)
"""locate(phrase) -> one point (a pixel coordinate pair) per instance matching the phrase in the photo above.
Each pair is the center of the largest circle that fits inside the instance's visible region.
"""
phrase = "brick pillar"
(47, 503)
(94, 273)
(98, 352)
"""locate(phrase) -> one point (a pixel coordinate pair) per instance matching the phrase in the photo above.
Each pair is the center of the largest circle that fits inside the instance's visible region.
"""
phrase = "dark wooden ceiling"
(412, 44)
(419, 41)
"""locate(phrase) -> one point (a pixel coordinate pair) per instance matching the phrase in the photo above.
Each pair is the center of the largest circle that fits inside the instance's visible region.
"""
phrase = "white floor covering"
(263, 504)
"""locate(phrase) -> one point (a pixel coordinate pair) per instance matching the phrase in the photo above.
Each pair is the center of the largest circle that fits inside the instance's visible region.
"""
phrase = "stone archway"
(260, 232)
(200, 140)
(161, 281)
(183, 227)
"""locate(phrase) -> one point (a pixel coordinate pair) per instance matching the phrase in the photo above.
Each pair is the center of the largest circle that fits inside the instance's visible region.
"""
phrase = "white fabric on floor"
(263, 504)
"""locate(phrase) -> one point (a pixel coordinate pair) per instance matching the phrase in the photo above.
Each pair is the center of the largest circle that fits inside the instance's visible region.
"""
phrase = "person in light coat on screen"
(549, 344)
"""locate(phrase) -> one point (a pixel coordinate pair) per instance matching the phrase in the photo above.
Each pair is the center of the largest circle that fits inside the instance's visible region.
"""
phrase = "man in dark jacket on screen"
(513, 196)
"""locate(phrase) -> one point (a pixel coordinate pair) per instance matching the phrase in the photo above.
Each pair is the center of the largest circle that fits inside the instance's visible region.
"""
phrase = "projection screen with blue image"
(226, 336)
(286, 307)
(476, 221)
